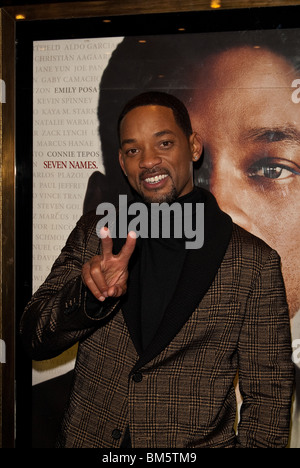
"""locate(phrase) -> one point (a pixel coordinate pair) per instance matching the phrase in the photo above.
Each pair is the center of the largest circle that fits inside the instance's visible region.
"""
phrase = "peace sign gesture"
(106, 274)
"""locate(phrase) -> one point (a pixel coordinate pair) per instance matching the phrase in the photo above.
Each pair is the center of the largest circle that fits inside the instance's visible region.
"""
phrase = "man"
(163, 330)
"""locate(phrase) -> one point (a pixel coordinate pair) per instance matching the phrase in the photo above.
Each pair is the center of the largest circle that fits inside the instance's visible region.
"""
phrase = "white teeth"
(154, 180)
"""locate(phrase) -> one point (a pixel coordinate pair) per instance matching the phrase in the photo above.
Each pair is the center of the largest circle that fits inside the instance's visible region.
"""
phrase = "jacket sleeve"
(266, 372)
(63, 311)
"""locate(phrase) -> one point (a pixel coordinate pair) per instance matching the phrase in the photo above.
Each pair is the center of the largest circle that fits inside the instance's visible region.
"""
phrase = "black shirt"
(160, 265)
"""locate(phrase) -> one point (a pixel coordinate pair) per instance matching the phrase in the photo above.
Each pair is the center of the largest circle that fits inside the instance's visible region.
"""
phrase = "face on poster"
(243, 93)
(250, 124)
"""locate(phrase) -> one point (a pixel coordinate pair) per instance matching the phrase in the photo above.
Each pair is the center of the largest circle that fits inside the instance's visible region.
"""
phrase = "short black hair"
(158, 98)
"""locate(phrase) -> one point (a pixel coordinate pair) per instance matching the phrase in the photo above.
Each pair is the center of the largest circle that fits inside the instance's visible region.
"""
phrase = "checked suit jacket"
(178, 392)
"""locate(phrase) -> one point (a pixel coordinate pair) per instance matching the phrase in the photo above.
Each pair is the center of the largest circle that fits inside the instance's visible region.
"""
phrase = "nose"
(149, 159)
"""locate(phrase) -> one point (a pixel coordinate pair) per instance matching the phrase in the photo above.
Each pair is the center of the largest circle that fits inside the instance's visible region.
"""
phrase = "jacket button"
(116, 434)
(137, 377)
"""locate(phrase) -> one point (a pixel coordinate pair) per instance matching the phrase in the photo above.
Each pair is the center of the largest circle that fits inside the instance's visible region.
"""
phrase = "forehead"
(253, 86)
(150, 117)
(248, 66)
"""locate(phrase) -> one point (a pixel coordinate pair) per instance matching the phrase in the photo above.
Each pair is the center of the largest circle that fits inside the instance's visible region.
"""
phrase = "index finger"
(106, 242)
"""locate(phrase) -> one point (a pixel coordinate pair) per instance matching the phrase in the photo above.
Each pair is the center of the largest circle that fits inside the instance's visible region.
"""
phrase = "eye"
(166, 144)
(273, 170)
(131, 151)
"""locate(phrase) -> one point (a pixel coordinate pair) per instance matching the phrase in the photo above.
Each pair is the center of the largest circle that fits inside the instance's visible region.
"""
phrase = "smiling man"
(163, 330)
(157, 150)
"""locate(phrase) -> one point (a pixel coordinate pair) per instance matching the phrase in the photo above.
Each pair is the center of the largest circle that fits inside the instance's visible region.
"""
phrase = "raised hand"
(106, 275)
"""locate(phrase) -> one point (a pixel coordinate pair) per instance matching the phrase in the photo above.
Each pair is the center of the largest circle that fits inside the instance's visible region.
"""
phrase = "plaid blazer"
(179, 392)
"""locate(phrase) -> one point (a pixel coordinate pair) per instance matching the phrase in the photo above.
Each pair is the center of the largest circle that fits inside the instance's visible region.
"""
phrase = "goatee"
(169, 197)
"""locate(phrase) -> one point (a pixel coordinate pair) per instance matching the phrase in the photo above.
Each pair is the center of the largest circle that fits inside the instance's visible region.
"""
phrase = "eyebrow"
(163, 133)
(273, 135)
(130, 141)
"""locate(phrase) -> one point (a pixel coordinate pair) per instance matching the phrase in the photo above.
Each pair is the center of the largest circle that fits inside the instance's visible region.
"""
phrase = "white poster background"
(66, 151)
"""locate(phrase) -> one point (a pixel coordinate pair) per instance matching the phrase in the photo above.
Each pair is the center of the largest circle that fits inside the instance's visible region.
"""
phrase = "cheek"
(274, 221)
(183, 168)
(130, 169)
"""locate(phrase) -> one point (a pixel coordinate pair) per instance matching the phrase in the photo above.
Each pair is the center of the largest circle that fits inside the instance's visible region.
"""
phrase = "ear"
(121, 161)
(196, 146)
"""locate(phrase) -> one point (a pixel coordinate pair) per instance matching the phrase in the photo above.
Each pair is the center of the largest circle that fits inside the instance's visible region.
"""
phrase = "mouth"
(154, 180)
(157, 187)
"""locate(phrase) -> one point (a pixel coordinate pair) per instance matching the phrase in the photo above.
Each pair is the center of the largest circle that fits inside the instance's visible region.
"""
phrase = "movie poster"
(242, 90)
